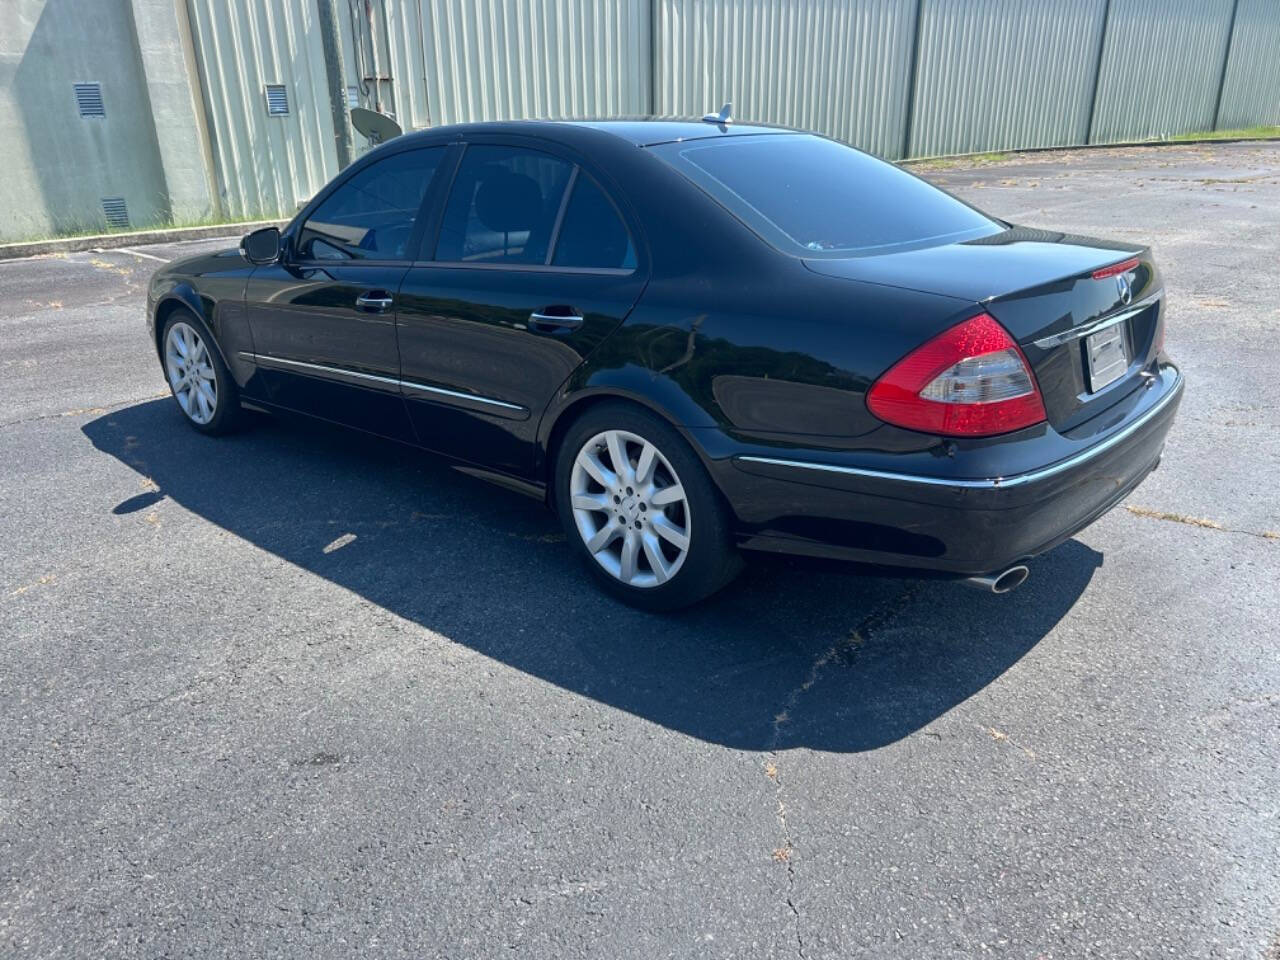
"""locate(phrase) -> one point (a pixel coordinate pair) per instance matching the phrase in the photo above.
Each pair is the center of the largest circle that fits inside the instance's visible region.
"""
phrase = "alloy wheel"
(190, 371)
(630, 508)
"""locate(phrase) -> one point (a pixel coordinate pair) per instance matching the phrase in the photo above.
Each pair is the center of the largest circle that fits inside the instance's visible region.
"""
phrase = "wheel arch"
(177, 298)
(556, 424)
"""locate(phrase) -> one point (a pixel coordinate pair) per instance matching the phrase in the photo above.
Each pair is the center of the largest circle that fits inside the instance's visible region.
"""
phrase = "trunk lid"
(1041, 287)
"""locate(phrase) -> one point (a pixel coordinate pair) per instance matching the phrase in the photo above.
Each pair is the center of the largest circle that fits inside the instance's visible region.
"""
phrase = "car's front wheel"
(640, 507)
(201, 383)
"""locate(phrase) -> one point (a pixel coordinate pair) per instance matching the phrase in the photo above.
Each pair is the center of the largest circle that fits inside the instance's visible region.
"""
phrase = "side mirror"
(261, 246)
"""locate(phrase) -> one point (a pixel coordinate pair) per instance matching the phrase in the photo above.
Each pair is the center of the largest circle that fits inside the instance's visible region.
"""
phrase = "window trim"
(523, 267)
(554, 240)
(427, 256)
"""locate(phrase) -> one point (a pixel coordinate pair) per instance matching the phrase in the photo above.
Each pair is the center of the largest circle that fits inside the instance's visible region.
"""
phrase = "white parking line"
(136, 253)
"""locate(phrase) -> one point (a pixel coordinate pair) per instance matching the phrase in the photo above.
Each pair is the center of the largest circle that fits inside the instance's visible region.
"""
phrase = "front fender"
(215, 294)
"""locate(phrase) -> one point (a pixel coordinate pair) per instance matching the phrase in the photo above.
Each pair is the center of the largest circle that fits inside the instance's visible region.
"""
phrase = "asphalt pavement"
(300, 693)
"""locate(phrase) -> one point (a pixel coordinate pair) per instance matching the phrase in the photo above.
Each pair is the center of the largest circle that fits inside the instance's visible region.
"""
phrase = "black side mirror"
(261, 246)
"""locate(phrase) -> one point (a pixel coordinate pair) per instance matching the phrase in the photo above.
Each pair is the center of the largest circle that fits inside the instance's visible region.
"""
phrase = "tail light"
(969, 381)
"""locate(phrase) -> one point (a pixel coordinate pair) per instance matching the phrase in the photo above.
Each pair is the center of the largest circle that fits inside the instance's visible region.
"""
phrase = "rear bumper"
(959, 525)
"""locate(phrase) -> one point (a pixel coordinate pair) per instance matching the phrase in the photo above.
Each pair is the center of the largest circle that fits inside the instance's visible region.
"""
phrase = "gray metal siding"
(469, 60)
(1251, 92)
(1160, 68)
(1004, 74)
(266, 164)
(556, 58)
(985, 75)
(840, 67)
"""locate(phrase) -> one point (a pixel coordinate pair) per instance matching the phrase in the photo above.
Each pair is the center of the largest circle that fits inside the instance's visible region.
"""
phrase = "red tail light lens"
(969, 381)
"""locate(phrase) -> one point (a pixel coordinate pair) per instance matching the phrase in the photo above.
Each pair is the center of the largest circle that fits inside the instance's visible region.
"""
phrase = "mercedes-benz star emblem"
(1126, 291)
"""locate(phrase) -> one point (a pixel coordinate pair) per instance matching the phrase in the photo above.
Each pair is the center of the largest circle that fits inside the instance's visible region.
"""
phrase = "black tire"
(227, 415)
(710, 561)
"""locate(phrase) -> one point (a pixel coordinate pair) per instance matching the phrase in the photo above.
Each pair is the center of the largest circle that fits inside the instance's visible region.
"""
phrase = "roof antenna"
(724, 117)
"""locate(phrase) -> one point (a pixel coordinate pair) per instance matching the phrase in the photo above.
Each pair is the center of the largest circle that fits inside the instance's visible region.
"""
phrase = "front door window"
(372, 215)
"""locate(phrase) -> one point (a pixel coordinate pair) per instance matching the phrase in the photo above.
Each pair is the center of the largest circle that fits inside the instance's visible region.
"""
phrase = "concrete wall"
(177, 109)
(57, 165)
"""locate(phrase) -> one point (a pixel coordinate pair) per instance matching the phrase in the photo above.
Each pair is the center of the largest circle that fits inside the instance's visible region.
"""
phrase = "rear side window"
(592, 234)
(371, 216)
(503, 206)
(814, 197)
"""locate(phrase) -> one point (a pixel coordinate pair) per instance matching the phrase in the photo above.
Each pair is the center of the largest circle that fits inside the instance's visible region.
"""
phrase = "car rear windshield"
(813, 197)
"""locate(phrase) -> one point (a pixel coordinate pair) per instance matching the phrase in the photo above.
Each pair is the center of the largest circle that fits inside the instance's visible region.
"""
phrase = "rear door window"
(503, 206)
(372, 215)
(813, 197)
(592, 234)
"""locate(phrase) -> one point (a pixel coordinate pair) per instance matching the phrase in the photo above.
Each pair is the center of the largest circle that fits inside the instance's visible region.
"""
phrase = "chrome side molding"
(991, 483)
(408, 386)
(412, 387)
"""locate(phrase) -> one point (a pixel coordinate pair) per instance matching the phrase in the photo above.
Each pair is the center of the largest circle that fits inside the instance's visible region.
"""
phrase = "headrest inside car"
(509, 202)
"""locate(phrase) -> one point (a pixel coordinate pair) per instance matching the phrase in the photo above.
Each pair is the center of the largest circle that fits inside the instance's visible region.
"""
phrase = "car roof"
(648, 131)
(639, 131)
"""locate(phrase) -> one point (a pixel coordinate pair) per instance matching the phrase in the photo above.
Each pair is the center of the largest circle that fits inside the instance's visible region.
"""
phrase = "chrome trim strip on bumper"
(268, 361)
(992, 483)
(1075, 333)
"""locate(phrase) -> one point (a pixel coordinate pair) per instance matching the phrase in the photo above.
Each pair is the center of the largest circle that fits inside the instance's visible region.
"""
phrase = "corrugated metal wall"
(265, 164)
(1004, 74)
(838, 66)
(492, 59)
(969, 76)
(445, 61)
(1251, 91)
(1161, 67)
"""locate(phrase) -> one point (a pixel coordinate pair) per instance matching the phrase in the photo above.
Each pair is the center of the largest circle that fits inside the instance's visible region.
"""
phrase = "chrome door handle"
(571, 322)
(373, 301)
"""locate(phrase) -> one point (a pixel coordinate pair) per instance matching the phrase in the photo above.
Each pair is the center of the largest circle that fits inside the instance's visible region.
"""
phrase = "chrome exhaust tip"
(1002, 582)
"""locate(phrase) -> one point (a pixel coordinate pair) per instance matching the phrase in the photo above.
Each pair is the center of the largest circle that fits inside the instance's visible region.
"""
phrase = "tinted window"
(815, 197)
(371, 216)
(592, 234)
(503, 206)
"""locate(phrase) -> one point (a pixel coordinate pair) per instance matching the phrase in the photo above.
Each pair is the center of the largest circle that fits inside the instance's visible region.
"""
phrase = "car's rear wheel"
(199, 380)
(639, 506)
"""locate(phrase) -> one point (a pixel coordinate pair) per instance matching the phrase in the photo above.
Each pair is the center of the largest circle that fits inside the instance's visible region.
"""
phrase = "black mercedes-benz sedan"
(695, 338)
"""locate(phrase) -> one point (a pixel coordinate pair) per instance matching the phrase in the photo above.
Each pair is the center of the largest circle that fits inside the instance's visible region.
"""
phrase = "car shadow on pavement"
(792, 655)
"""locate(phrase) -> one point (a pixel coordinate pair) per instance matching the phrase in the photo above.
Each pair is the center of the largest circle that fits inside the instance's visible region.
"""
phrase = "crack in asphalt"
(842, 653)
(1202, 522)
(81, 411)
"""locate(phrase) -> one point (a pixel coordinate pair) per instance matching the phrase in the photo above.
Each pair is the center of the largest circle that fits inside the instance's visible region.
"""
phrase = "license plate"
(1106, 356)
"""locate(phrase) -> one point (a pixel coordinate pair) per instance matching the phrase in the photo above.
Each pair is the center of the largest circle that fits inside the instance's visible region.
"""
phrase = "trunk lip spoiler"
(1093, 326)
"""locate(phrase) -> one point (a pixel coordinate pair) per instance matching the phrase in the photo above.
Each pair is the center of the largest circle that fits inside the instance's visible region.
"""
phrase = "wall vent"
(277, 100)
(89, 99)
(117, 213)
